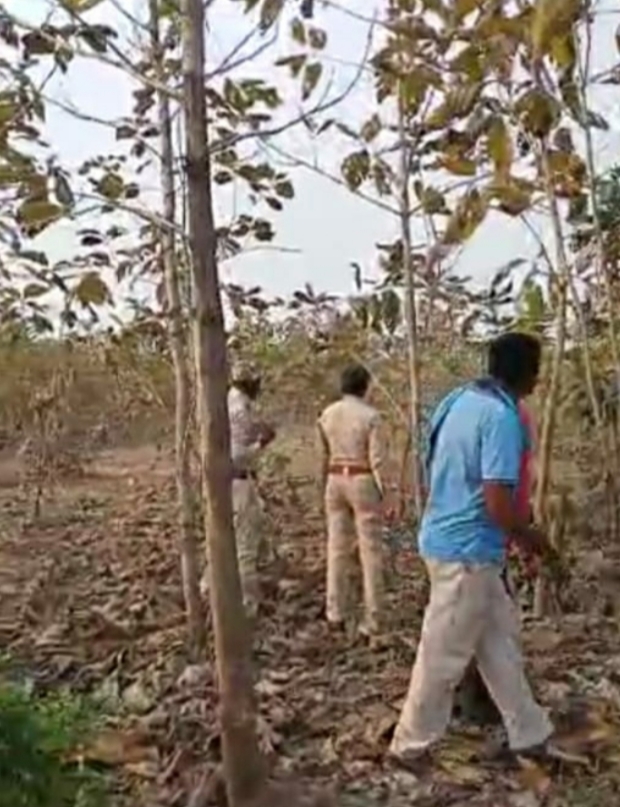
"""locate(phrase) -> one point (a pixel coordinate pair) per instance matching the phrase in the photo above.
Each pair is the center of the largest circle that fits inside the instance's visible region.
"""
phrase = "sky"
(325, 228)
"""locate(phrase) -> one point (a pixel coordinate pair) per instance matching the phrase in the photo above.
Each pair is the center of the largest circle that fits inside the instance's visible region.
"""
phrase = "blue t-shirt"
(478, 437)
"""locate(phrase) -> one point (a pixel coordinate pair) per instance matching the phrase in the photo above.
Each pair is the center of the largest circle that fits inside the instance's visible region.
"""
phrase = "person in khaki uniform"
(248, 437)
(352, 463)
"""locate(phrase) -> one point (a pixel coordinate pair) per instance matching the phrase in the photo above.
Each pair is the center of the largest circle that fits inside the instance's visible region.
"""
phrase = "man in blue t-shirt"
(475, 446)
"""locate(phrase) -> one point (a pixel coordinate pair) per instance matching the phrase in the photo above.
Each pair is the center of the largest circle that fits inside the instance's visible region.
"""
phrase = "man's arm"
(377, 452)
(323, 450)
(501, 450)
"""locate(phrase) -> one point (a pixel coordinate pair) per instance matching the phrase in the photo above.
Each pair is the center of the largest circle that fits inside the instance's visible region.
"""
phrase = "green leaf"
(80, 5)
(596, 120)
(125, 132)
(111, 186)
(62, 189)
(356, 168)
(391, 310)
(9, 110)
(500, 146)
(552, 18)
(371, 128)
(32, 290)
(285, 189)
(317, 38)
(470, 212)
(295, 63)
(92, 290)
(36, 43)
(456, 164)
(433, 201)
(39, 213)
(563, 51)
(298, 31)
(269, 13)
(167, 9)
(514, 196)
(464, 7)
(538, 111)
(311, 77)
(222, 177)
(274, 203)
(458, 103)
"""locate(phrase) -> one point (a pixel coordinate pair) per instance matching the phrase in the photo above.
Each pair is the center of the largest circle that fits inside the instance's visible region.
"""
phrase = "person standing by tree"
(476, 446)
(353, 456)
(248, 437)
(473, 701)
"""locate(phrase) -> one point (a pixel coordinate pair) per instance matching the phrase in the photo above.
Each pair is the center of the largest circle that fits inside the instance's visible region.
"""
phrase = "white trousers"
(469, 615)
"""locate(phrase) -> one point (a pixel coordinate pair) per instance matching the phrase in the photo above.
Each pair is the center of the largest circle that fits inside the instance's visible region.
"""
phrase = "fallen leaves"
(107, 617)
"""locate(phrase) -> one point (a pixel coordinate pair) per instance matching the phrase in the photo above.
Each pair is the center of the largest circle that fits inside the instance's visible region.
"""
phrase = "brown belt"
(349, 470)
(239, 473)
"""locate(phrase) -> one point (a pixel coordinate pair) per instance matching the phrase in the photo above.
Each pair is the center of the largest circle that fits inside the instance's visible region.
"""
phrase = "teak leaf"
(39, 213)
(92, 290)
(469, 214)
(455, 164)
(539, 112)
(311, 77)
(433, 201)
(80, 5)
(298, 31)
(514, 196)
(500, 146)
(552, 19)
(269, 13)
(356, 168)
(371, 128)
(111, 186)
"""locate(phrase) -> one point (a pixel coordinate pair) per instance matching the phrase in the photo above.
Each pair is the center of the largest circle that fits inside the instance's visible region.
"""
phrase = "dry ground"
(90, 599)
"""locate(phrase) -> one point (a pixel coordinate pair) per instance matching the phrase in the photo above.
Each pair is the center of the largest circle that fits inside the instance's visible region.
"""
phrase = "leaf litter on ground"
(95, 604)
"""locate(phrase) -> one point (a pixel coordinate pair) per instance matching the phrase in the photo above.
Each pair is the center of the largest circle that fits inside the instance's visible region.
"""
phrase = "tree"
(242, 760)
(178, 350)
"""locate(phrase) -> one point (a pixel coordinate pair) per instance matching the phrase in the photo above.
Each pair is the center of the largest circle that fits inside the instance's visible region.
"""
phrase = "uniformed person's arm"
(323, 452)
(377, 451)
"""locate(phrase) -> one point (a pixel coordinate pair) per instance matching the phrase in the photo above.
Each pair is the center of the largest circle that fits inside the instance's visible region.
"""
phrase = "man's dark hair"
(355, 380)
(514, 359)
(250, 386)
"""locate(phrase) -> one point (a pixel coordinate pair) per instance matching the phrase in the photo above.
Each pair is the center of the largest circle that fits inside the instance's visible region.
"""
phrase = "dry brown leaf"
(115, 747)
(533, 777)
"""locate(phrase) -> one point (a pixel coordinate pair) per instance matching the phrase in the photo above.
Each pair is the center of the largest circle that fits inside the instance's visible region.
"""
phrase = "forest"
(121, 317)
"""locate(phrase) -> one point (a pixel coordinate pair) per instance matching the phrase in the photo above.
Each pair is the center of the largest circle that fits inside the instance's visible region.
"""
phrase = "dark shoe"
(416, 763)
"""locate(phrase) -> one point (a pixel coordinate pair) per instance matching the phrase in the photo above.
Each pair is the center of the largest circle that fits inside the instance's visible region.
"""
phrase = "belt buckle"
(346, 470)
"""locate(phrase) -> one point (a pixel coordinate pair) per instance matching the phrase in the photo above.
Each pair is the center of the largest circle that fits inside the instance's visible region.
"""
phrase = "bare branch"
(229, 63)
(304, 116)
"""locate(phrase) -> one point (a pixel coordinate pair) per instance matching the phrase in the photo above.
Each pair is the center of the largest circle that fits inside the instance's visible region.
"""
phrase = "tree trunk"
(190, 574)
(552, 396)
(410, 314)
(243, 764)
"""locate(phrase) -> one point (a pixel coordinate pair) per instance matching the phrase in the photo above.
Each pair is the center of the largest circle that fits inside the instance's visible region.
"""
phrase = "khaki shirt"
(352, 431)
(244, 427)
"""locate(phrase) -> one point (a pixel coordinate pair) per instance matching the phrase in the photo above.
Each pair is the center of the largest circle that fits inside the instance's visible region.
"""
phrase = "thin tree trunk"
(177, 339)
(410, 314)
(243, 764)
(552, 394)
(603, 269)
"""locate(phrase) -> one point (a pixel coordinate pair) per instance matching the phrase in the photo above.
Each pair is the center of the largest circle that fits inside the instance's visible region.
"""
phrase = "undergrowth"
(39, 735)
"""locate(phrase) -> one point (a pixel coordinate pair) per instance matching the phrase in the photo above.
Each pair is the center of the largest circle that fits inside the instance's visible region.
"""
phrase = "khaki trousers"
(353, 510)
(469, 615)
(249, 520)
